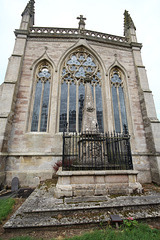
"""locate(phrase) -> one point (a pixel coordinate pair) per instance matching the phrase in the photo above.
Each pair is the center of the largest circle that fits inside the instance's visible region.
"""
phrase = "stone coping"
(98, 172)
(60, 154)
(69, 33)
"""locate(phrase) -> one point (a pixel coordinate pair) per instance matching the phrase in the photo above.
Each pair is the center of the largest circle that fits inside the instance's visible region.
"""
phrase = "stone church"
(52, 74)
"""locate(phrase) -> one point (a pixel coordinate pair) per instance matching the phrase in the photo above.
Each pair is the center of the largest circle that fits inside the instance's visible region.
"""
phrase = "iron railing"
(96, 151)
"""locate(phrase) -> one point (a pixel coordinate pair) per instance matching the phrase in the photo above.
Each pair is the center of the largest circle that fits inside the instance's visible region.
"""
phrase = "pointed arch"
(43, 57)
(41, 96)
(78, 65)
(84, 44)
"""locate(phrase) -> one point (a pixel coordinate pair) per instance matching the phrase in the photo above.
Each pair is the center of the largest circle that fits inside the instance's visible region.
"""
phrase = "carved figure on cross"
(81, 22)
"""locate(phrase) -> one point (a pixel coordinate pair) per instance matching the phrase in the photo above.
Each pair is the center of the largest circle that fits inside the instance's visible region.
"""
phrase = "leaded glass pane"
(45, 103)
(89, 62)
(123, 108)
(116, 79)
(36, 108)
(80, 73)
(72, 108)
(63, 107)
(99, 108)
(44, 73)
(73, 61)
(92, 89)
(116, 109)
(81, 95)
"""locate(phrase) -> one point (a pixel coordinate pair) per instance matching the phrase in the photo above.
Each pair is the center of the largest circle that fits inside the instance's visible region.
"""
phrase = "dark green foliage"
(5, 207)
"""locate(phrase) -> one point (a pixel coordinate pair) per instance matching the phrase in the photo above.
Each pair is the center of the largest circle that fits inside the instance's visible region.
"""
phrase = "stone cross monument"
(89, 121)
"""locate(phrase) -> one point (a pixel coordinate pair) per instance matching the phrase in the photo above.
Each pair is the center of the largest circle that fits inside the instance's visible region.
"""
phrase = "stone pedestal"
(96, 183)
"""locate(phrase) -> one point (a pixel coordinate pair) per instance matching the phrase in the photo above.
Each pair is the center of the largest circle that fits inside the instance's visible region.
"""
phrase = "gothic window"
(118, 99)
(39, 121)
(79, 65)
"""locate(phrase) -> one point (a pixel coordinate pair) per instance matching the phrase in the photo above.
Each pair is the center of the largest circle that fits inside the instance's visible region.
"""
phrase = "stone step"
(41, 209)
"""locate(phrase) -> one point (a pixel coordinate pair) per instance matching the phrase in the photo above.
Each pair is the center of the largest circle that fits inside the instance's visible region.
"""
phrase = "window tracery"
(76, 68)
(39, 121)
(118, 100)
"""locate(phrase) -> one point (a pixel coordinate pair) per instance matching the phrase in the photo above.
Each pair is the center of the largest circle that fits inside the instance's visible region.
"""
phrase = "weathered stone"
(31, 155)
(86, 183)
(15, 184)
(41, 209)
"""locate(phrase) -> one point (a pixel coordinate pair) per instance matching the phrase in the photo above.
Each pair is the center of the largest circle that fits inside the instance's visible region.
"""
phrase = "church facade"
(44, 91)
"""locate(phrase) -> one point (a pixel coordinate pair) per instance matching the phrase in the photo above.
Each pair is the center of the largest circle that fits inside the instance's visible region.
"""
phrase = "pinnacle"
(128, 22)
(29, 8)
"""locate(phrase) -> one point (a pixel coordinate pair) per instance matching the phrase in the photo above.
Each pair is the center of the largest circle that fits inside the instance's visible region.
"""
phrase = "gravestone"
(15, 184)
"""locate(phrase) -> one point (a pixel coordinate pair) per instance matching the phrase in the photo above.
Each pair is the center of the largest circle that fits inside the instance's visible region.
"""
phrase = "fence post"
(129, 154)
(63, 150)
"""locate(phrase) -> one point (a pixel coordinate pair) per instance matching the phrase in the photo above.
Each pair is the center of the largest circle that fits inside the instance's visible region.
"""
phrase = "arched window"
(76, 67)
(118, 99)
(39, 121)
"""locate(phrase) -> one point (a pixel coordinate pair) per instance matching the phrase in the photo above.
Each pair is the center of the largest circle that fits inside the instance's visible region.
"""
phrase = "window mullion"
(40, 109)
(77, 110)
(94, 93)
(68, 105)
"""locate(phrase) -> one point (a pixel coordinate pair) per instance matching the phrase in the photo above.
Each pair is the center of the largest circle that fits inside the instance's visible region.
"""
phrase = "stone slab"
(41, 209)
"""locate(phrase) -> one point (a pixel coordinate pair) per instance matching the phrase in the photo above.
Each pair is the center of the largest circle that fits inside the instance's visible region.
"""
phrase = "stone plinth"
(96, 183)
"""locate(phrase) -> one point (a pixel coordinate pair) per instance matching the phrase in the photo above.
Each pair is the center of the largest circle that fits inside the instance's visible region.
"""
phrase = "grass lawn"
(141, 232)
(5, 208)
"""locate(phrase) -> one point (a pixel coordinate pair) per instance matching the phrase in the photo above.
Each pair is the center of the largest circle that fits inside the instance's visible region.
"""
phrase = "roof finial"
(29, 9)
(81, 22)
(128, 22)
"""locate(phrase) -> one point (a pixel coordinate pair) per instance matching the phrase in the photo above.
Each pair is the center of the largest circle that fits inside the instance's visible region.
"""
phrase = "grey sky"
(102, 15)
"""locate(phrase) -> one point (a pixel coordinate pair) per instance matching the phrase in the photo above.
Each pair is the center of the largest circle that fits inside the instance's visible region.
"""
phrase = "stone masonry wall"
(23, 142)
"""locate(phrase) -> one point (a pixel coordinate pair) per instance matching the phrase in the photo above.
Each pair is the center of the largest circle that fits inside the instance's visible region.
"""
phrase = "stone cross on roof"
(81, 22)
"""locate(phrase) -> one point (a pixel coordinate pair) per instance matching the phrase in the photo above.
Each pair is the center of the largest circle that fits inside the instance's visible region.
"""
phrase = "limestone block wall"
(30, 169)
(2, 170)
(23, 144)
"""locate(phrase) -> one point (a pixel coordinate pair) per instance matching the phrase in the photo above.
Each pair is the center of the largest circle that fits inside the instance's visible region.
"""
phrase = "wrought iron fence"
(96, 151)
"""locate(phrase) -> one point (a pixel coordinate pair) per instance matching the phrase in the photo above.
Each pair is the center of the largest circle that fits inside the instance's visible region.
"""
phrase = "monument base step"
(42, 210)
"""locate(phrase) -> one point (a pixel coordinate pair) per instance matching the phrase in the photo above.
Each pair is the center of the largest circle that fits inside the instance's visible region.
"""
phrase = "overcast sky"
(102, 16)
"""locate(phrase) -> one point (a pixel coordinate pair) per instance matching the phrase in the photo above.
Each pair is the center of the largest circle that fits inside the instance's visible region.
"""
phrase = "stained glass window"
(119, 109)
(72, 108)
(37, 101)
(41, 99)
(63, 107)
(99, 108)
(77, 67)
